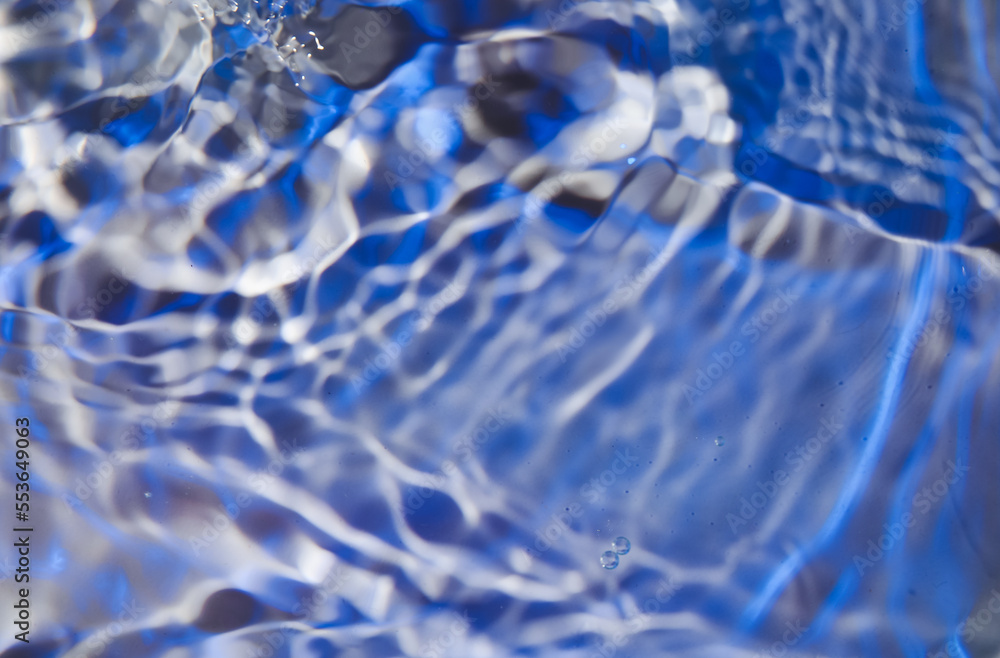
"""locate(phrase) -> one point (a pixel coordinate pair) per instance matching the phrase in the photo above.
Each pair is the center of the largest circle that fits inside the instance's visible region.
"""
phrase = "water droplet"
(609, 559)
(621, 545)
(720, 442)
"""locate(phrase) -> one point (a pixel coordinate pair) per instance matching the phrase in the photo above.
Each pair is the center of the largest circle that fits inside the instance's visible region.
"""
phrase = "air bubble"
(621, 545)
(720, 442)
(609, 559)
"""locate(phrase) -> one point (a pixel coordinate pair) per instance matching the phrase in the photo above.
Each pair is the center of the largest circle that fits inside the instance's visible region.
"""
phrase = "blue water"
(509, 328)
